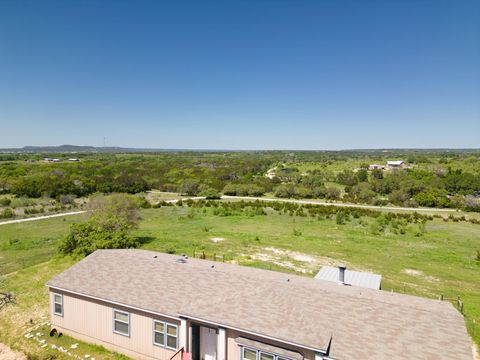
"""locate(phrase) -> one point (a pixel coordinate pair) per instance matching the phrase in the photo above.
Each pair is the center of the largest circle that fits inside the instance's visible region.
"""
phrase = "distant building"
(73, 159)
(343, 276)
(395, 163)
(51, 159)
(376, 167)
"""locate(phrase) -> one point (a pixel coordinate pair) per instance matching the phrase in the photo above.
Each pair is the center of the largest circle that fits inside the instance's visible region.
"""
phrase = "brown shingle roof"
(364, 323)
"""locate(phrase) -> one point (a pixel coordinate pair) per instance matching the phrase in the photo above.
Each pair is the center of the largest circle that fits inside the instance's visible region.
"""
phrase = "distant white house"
(395, 163)
(73, 159)
(51, 159)
(376, 167)
(342, 276)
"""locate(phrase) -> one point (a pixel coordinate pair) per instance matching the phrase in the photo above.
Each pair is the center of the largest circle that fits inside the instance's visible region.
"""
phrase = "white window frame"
(165, 334)
(258, 352)
(121, 321)
(56, 303)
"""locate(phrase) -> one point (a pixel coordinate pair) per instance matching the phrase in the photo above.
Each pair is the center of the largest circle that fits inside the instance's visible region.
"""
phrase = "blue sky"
(271, 74)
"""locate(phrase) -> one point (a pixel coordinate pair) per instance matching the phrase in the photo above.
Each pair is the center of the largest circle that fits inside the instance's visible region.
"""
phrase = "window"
(249, 354)
(253, 354)
(165, 334)
(264, 356)
(159, 333)
(172, 337)
(121, 322)
(58, 304)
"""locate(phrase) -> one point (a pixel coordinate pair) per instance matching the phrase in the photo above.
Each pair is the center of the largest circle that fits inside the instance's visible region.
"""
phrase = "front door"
(208, 343)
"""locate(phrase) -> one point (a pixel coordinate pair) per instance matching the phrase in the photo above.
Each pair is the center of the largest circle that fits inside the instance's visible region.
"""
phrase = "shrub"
(85, 238)
(5, 202)
(297, 232)
(340, 217)
(7, 213)
(210, 194)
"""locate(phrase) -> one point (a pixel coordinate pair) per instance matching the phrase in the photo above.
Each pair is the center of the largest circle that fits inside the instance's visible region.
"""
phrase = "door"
(195, 342)
(208, 343)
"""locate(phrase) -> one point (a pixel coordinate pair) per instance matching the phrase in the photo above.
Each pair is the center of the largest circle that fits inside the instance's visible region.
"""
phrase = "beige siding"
(92, 321)
(233, 349)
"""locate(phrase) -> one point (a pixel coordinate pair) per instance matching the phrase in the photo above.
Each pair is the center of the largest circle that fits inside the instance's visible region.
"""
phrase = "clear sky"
(250, 74)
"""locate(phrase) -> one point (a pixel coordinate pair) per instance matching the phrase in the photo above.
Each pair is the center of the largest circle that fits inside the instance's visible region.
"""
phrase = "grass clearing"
(441, 261)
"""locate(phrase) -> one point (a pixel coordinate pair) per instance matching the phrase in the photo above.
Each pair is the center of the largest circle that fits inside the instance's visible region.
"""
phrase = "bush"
(243, 190)
(5, 202)
(85, 238)
(7, 213)
(340, 218)
(332, 193)
(66, 199)
(210, 194)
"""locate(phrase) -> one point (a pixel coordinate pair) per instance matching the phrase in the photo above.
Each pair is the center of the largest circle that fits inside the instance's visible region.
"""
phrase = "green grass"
(33, 242)
(31, 311)
(442, 261)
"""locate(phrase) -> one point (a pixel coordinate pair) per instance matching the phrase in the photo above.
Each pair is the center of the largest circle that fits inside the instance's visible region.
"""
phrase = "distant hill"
(116, 149)
(79, 149)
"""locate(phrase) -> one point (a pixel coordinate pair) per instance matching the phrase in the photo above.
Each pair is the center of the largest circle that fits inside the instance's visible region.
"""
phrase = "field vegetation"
(427, 253)
(445, 179)
(417, 254)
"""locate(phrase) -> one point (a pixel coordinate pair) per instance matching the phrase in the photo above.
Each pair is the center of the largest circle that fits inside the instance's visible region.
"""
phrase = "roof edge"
(180, 315)
(111, 302)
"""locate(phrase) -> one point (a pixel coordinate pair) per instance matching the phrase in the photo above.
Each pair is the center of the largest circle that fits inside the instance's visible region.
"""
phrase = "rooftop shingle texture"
(364, 323)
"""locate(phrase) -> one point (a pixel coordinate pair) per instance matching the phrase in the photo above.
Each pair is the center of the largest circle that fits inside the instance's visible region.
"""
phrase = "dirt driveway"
(8, 354)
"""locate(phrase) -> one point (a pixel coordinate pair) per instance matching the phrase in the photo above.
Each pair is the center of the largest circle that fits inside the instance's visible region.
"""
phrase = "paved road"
(42, 217)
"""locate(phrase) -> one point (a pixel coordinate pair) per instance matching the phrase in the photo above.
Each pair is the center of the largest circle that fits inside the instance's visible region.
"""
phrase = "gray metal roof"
(354, 278)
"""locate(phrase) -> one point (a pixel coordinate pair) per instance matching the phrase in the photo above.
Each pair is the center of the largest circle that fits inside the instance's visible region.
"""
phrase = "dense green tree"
(108, 227)
(362, 175)
(347, 177)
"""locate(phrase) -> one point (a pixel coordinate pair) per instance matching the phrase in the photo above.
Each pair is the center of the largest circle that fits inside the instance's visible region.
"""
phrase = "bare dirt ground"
(8, 354)
(418, 273)
(294, 260)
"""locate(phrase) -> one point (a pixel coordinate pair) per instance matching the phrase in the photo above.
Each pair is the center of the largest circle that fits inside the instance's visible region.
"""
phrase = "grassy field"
(441, 261)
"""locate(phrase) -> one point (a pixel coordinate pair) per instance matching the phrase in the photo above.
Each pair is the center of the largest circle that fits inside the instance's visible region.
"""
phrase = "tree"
(433, 198)
(210, 194)
(398, 197)
(362, 175)
(332, 193)
(377, 174)
(117, 211)
(285, 191)
(190, 187)
(108, 227)
(347, 177)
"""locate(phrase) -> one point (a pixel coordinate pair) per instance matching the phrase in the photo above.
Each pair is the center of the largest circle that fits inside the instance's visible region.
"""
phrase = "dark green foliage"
(243, 174)
(243, 190)
(340, 217)
(5, 202)
(7, 213)
(347, 177)
(108, 227)
(362, 175)
(85, 238)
